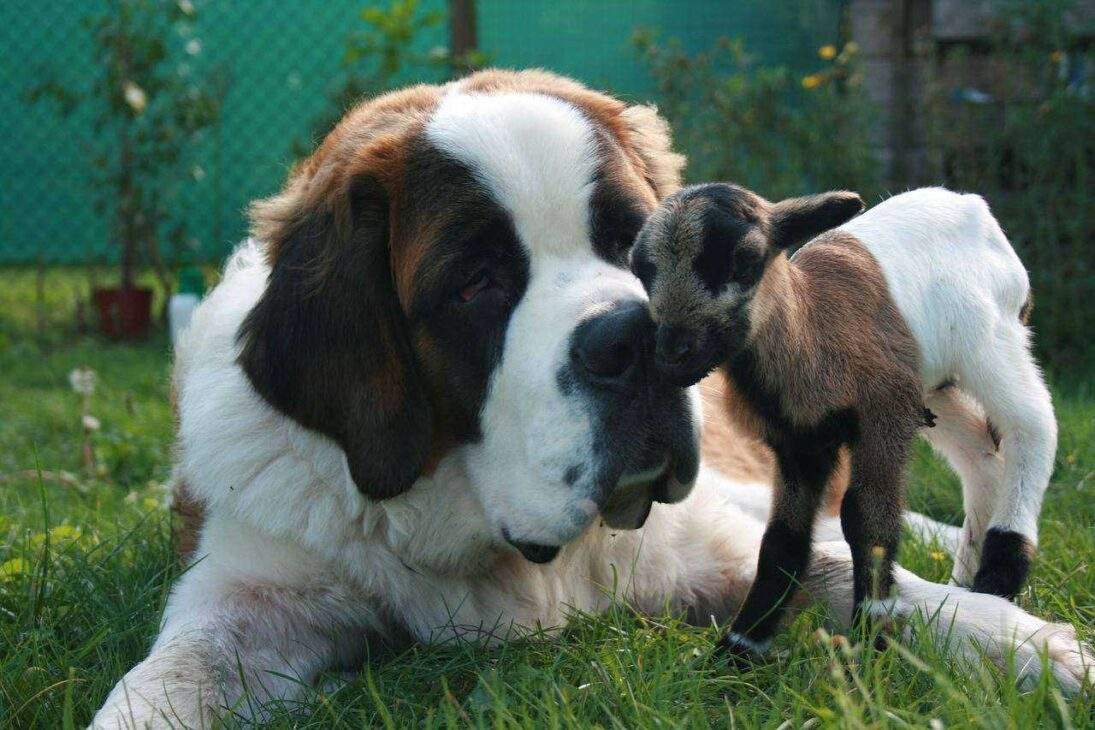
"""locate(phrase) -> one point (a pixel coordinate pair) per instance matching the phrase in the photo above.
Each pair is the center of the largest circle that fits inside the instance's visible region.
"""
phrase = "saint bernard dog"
(421, 404)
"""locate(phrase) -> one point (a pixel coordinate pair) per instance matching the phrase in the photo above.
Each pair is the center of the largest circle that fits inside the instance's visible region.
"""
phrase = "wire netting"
(276, 65)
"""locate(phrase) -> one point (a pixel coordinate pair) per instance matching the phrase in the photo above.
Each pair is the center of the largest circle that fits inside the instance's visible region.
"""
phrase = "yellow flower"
(64, 532)
(811, 82)
(1056, 56)
(827, 52)
(150, 503)
(12, 568)
(938, 555)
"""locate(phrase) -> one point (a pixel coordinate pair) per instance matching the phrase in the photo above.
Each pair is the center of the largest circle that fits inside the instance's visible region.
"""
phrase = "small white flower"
(91, 423)
(439, 53)
(197, 172)
(135, 96)
(131, 498)
(186, 7)
(194, 46)
(83, 380)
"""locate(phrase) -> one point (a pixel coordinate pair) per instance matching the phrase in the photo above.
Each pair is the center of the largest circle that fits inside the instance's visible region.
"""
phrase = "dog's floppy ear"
(650, 137)
(327, 343)
(797, 220)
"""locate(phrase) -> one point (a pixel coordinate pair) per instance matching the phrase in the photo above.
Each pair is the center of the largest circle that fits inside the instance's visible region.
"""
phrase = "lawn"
(86, 562)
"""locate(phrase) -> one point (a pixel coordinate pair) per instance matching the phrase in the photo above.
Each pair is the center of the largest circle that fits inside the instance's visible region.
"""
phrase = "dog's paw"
(1071, 662)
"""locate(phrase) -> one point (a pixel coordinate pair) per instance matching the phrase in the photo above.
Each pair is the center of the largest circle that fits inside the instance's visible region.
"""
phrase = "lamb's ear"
(327, 344)
(797, 220)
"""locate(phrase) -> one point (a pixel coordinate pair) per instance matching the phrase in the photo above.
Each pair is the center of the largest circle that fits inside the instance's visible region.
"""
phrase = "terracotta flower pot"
(124, 314)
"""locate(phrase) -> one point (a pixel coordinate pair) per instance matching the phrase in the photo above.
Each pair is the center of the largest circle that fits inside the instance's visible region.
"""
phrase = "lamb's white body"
(961, 288)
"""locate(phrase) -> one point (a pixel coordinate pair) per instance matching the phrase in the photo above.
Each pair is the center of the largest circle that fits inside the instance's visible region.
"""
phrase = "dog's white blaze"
(536, 154)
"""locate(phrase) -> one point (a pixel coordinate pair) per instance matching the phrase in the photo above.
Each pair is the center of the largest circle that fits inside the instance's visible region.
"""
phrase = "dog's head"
(449, 280)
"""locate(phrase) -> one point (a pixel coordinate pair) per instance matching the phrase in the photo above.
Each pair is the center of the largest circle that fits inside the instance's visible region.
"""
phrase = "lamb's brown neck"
(780, 369)
(777, 317)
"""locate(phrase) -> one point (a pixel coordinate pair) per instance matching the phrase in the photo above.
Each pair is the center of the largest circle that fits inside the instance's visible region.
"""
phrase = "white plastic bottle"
(183, 302)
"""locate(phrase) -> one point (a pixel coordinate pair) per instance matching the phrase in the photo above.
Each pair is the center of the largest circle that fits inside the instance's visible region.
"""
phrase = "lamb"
(909, 318)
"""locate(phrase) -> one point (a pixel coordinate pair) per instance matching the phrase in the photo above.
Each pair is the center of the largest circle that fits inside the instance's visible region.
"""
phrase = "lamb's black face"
(699, 256)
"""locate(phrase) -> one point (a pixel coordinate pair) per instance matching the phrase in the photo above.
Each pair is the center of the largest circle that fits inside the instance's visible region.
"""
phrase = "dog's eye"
(478, 282)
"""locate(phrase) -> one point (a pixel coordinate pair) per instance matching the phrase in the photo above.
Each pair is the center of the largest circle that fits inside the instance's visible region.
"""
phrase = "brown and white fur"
(910, 315)
(420, 437)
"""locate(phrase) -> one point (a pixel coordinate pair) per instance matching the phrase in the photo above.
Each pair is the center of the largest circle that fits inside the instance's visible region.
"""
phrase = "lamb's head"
(701, 256)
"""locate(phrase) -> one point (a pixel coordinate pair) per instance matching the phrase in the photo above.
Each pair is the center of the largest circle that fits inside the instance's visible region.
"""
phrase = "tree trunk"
(463, 37)
(126, 211)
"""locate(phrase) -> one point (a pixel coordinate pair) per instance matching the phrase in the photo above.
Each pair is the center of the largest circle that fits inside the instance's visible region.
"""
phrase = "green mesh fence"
(278, 63)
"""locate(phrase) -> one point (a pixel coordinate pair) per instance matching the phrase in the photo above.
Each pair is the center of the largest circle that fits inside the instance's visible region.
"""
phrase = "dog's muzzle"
(646, 431)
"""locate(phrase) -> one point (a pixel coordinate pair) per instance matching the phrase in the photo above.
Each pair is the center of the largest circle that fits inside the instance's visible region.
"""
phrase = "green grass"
(87, 564)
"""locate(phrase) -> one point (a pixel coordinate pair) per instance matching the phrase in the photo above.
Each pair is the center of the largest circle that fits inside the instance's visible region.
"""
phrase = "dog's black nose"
(675, 345)
(607, 349)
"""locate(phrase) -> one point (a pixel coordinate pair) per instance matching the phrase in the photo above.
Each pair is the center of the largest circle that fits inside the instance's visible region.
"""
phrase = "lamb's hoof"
(741, 651)
(1005, 563)
(875, 621)
(998, 581)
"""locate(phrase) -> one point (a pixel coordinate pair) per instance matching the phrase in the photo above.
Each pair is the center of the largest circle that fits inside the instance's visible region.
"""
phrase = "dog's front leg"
(253, 619)
(968, 624)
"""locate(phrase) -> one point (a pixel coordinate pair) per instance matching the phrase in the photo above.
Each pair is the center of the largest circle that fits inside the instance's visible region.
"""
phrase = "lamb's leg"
(962, 435)
(784, 551)
(871, 514)
(234, 635)
(1017, 402)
